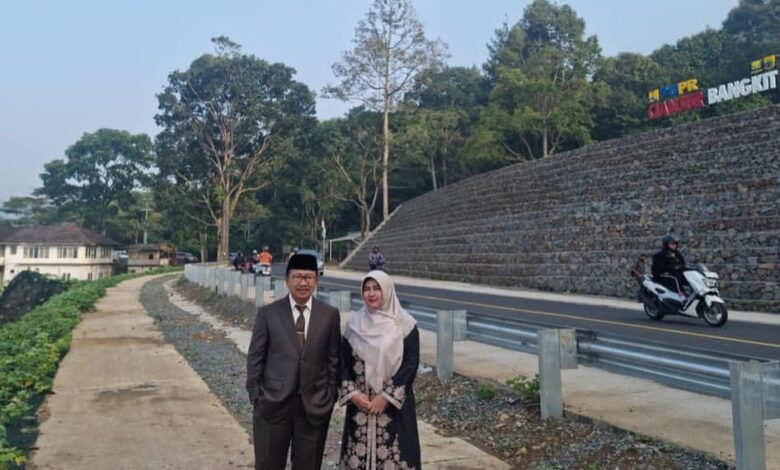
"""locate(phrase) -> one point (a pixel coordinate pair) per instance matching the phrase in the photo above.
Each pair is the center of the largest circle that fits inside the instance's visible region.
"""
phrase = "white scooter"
(704, 300)
(262, 269)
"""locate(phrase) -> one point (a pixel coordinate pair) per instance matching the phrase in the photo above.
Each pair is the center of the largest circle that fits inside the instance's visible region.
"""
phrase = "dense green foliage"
(31, 348)
(242, 155)
(98, 176)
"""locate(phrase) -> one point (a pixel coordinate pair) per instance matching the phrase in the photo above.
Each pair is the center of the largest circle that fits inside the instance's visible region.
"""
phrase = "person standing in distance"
(292, 372)
(376, 260)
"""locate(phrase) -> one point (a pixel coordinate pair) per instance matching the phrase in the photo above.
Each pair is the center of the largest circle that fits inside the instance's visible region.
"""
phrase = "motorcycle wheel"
(715, 315)
(653, 310)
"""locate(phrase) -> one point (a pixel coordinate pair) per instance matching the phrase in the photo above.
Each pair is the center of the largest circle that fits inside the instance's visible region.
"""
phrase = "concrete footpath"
(688, 419)
(124, 399)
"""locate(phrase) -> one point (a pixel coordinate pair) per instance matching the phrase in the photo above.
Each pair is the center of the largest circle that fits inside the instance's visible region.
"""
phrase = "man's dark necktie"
(300, 325)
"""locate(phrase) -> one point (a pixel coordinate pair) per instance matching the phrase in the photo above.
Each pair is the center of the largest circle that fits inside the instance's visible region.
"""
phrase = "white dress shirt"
(306, 314)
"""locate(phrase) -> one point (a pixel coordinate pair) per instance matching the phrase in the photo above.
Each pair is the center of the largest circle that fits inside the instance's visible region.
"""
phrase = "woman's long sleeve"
(395, 389)
(347, 389)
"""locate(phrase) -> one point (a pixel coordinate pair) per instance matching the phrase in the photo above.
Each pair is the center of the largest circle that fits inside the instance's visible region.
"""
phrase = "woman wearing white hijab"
(380, 352)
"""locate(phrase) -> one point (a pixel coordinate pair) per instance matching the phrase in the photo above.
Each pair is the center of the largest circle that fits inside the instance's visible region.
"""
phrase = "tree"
(754, 29)
(624, 82)
(429, 138)
(390, 51)
(438, 116)
(450, 87)
(127, 223)
(30, 210)
(354, 148)
(540, 101)
(225, 120)
(183, 219)
(99, 174)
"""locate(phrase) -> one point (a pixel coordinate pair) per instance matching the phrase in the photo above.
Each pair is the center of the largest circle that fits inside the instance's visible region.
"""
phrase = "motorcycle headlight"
(711, 283)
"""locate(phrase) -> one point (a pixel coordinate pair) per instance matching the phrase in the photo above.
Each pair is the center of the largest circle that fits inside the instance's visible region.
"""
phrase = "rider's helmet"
(295, 250)
(265, 248)
(669, 239)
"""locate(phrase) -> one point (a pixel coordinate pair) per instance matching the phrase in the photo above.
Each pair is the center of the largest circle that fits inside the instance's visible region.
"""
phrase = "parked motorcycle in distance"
(703, 301)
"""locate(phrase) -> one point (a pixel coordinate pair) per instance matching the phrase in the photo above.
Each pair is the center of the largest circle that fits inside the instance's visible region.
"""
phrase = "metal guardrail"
(752, 385)
(687, 368)
(691, 369)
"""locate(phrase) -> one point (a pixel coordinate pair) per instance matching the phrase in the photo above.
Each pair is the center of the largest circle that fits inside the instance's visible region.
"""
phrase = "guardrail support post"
(246, 281)
(266, 280)
(260, 288)
(459, 325)
(235, 283)
(280, 289)
(755, 397)
(343, 300)
(557, 350)
(445, 335)
(226, 277)
(771, 382)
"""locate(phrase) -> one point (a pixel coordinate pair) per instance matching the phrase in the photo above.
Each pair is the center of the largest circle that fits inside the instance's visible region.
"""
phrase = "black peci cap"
(306, 262)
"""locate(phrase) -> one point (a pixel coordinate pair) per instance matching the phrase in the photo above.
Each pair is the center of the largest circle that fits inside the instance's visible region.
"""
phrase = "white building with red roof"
(66, 251)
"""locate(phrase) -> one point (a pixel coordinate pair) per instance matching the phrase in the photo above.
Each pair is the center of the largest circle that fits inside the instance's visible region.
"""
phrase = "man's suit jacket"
(277, 369)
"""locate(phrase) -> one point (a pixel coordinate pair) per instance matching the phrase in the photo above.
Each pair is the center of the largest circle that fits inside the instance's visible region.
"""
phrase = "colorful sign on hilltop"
(675, 98)
(686, 95)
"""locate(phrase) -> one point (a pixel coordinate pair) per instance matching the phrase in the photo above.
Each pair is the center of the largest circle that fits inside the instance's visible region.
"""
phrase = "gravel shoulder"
(491, 416)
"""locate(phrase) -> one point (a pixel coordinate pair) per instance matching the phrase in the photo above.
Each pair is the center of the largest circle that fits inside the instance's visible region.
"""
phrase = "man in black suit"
(292, 372)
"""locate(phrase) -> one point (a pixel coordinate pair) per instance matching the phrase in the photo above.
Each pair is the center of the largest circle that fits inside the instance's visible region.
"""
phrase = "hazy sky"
(70, 67)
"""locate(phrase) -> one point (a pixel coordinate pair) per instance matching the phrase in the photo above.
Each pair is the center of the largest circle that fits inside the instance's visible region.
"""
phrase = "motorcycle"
(263, 269)
(703, 301)
(246, 267)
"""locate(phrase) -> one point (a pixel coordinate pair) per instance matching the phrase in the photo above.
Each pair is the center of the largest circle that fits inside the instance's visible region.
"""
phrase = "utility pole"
(146, 218)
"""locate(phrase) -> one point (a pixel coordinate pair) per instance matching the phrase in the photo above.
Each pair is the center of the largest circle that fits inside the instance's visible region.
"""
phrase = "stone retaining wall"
(575, 222)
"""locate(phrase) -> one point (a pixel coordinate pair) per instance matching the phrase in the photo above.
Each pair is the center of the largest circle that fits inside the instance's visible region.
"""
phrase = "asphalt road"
(735, 337)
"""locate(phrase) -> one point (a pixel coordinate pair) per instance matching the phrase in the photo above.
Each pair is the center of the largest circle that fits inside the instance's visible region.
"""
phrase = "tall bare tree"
(390, 51)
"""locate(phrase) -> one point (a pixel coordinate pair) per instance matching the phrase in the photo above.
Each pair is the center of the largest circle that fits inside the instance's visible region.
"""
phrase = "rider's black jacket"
(667, 261)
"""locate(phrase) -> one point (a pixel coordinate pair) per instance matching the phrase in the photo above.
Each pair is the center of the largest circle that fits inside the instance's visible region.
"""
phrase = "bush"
(31, 348)
(527, 388)
(485, 392)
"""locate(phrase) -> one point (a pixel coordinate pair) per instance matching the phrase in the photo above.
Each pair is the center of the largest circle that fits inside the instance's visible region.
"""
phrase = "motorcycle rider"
(668, 265)
(265, 256)
(238, 261)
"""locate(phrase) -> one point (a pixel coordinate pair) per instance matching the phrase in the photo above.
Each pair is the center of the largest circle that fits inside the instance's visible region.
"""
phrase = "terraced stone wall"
(576, 221)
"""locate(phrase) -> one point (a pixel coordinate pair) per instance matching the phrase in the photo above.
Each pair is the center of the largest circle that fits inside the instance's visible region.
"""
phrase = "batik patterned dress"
(388, 441)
